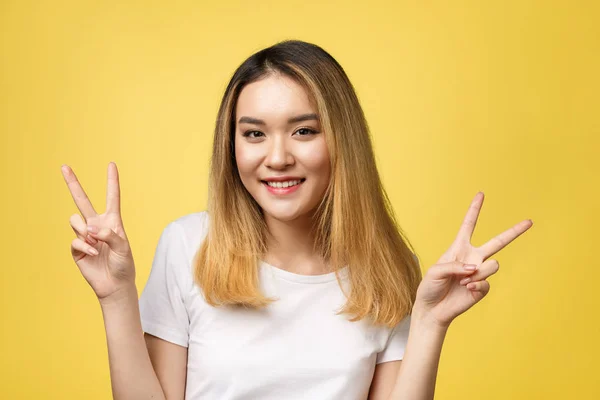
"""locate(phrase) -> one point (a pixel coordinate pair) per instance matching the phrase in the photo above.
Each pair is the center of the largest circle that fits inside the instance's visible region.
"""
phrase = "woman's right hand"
(112, 269)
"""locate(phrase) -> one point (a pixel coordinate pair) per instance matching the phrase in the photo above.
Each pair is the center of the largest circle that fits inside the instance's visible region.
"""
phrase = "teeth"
(283, 184)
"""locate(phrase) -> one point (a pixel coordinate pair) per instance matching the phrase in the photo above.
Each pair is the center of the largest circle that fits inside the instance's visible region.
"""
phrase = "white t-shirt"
(296, 348)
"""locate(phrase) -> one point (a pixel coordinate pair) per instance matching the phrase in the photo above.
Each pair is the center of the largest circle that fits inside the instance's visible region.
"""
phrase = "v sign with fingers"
(101, 249)
(458, 280)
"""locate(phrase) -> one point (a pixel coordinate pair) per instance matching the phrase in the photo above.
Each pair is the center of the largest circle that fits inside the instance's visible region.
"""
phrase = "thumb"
(114, 241)
(448, 270)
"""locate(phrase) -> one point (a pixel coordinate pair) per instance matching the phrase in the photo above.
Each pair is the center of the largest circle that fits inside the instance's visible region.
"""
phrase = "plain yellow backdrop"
(461, 96)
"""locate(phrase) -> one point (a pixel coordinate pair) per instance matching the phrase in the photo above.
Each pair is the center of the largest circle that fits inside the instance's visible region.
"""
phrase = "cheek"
(247, 159)
(316, 158)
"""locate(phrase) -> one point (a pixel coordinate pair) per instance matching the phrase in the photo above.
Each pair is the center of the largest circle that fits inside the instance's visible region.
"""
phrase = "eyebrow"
(298, 118)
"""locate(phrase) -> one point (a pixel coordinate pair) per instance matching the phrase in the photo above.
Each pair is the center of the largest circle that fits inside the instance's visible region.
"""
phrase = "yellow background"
(461, 96)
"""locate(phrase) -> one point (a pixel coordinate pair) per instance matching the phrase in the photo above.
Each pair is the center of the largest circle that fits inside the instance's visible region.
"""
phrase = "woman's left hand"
(448, 289)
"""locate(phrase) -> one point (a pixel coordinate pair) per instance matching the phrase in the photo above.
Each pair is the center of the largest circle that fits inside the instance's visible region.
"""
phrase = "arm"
(383, 380)
(102, 252)
(413, 377)
(131, 372)
(418, 371)
(444, 294)
(170, 364)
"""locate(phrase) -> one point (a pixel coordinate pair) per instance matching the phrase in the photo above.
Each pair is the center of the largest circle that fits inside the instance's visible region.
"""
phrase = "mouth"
(283, 187)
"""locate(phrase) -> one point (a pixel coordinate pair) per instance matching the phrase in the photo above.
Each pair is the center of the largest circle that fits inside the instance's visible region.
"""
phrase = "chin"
(283, 214)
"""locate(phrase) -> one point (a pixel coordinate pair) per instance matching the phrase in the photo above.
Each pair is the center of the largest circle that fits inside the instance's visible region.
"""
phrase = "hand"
(111, 268)
(448, 289)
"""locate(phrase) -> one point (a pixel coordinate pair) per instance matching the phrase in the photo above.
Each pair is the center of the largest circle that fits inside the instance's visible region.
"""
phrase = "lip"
(282, 178)
(283, 191)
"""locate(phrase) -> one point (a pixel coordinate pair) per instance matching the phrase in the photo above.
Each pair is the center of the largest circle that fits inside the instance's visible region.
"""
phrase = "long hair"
(354, 224)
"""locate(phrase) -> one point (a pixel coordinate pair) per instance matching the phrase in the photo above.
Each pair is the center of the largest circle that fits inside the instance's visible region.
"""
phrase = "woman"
(296, 282)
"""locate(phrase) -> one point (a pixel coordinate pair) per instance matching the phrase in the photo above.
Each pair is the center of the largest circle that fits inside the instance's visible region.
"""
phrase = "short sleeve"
(396, 344)
(162, 307)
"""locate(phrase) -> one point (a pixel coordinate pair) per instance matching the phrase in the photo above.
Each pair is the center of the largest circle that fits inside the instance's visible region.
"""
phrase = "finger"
(468, 226)
(79, 227)
(480, 286)
(113, 192)
(90, 240)
(449, 270)
(485, 270)
(114, 241)
(79, 247)
(81, 200)
(497, 243)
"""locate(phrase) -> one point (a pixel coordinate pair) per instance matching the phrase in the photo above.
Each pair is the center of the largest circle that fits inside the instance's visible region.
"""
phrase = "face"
(278, 142)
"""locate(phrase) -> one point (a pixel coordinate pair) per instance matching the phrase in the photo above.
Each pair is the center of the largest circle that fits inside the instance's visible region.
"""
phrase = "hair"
(354, 224)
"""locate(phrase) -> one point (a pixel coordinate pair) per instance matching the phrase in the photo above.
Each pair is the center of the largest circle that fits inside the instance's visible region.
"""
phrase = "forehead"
(273, 96)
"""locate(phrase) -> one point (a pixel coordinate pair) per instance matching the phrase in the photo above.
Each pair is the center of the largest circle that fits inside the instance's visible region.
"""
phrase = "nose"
(278, 156)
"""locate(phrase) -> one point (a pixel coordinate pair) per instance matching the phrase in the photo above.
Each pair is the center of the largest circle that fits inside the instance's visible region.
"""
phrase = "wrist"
(121, 296)
(425, 321)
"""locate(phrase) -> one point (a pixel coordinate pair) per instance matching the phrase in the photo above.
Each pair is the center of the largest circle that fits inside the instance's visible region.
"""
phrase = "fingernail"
(470, 267)
(92, 228)
(94, 251)
(465, 281)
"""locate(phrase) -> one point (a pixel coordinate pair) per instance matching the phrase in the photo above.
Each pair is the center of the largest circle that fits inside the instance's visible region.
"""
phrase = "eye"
(248, 134)
(307, 130)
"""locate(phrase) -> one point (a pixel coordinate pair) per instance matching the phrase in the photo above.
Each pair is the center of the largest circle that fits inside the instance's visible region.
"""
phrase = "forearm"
(131, 372)
(418, 370)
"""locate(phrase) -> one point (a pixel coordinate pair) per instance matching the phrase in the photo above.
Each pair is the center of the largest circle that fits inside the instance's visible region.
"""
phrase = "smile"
(283, 187)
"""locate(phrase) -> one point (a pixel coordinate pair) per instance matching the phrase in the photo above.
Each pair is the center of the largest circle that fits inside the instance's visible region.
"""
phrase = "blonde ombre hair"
(354, 224)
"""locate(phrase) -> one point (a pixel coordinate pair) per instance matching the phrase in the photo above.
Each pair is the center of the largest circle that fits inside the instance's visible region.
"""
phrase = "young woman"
(296, 283)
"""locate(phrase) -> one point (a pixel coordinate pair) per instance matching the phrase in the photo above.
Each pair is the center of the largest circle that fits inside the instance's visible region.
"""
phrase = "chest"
(298, 341)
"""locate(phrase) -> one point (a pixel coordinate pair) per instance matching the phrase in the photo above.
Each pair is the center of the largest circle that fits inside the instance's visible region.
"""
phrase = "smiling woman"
(324, 277)
(295, 283)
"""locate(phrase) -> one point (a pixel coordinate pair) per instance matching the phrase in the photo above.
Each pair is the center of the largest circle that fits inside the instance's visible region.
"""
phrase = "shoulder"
(191, 227)
(181, 238)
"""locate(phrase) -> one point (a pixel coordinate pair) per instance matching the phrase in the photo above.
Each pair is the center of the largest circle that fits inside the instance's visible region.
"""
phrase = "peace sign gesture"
(103, 254)
(449, 288)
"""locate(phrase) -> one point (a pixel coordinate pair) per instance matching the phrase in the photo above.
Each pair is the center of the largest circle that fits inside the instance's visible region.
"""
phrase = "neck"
(291, 246)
